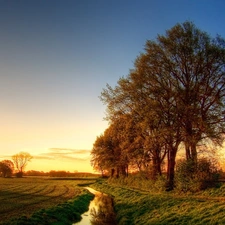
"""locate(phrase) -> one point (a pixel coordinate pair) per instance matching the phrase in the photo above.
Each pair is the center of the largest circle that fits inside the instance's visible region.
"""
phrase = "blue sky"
(57, 56)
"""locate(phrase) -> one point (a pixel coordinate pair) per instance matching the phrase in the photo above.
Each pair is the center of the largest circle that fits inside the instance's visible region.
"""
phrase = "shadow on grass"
(62, 214)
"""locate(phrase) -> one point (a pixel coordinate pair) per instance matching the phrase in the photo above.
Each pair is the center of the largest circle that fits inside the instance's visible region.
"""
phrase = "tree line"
(173, 98)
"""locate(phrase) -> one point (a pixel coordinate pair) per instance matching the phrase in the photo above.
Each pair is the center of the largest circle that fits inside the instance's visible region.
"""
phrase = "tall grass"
(140, 182)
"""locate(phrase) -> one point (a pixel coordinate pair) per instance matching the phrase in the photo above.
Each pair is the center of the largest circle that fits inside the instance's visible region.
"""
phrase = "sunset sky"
(56, 56)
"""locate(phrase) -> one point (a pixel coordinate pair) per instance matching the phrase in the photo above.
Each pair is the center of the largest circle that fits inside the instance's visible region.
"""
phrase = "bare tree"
(20, 161)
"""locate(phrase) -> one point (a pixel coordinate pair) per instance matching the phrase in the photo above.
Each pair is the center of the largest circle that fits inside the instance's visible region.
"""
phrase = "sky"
(56, 56)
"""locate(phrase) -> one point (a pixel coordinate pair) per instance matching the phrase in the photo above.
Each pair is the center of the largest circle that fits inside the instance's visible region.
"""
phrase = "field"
(48, 200)
(139, 207)
(24, 196)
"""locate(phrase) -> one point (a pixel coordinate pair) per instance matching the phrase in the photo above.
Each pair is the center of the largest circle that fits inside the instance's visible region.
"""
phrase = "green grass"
(23, 200)
(58, 202)
(138, 207)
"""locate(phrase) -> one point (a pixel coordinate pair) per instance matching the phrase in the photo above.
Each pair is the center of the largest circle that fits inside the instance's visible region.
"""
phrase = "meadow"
(23, 197)
(135, 206)
(36, 200)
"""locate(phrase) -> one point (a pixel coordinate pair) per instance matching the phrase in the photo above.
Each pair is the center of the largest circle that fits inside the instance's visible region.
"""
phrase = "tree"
(194, 63)
(20, 161)
(6, 168)
(176, 90)
(107, 154)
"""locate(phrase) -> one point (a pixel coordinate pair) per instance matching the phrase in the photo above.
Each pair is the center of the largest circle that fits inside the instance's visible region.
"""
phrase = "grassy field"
(138, 207)
(24, 196)
(31, 200)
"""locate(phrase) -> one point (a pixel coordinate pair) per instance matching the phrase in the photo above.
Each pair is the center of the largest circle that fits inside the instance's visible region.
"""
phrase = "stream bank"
(101, 210)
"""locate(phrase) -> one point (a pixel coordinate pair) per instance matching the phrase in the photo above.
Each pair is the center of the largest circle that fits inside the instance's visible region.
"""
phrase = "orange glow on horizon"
(58, 159)
(57, 164)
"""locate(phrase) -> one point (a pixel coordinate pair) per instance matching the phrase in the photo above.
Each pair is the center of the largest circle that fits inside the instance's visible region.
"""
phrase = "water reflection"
(100, 211)
(104, 213)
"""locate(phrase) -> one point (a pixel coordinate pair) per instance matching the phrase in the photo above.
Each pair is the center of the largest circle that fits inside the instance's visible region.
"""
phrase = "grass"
(29, 200)
(138, 207)
(60, 202)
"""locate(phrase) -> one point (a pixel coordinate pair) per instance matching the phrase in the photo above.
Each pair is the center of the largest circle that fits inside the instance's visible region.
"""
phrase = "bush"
(195, 177)
(19, 174)
(141, 182)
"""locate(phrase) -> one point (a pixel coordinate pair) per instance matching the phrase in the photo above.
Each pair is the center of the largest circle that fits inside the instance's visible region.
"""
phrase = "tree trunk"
(171, 167)
(191, 153)
(194, 152)
(102, 171)
(127, 170)
(187, 150)
(156, 167)
(112, 172)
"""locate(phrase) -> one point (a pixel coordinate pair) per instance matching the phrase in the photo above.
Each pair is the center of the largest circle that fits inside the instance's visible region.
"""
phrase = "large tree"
(20, 161)
(176, 90)
(194, 63)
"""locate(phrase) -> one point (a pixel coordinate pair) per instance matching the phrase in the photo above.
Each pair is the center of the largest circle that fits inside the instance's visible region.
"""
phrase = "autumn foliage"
(173, 98)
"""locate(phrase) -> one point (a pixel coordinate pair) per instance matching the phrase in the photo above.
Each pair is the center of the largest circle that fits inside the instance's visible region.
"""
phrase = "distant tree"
(35, 173)
(6, 168)
(20, 161)
(59, 173)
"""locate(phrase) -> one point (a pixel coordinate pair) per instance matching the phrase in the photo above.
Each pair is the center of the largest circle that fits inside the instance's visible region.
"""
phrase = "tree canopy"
(174, 96)
(6, 168)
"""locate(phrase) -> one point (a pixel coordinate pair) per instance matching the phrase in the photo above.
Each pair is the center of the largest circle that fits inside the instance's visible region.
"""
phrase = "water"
(100, 210)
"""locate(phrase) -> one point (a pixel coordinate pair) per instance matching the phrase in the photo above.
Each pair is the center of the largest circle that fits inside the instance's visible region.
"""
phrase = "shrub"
(141, 182)
(195, 177)
(19, 174)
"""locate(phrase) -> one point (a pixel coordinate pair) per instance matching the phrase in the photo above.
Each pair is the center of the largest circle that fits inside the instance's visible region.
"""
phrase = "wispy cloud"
(3, 157)
(65, 154)
(69, 151)
(43, 156)
(59, 154)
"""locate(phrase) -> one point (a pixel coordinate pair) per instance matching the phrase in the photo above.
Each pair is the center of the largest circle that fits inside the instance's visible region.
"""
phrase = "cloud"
(64, 154)
(3, 157)
(60, 154)
(69, 150)
(43, 156)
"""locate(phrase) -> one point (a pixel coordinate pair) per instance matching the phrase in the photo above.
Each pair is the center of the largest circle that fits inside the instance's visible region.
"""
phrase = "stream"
(100, 210)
